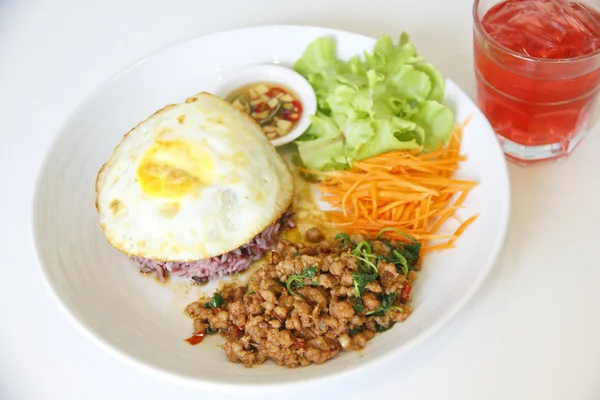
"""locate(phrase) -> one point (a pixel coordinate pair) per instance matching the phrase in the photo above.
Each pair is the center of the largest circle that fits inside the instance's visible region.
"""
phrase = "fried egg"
(194, 180)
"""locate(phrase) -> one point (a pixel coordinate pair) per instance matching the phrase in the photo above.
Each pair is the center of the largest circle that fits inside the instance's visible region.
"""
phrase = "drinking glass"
(540, 106)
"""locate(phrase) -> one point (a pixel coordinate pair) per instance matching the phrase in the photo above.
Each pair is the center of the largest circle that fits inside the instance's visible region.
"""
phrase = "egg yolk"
(172, 169)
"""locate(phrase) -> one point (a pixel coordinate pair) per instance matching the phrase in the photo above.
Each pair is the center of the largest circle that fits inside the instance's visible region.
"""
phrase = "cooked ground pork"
(301, 308)
(235, 261)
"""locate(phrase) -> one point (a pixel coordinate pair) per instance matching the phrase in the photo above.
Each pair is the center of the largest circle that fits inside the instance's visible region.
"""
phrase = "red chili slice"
(195, 339)
(298, 105)
(405, 296)
(275, 91)
(293, 117)
(260, 107)
(299, 344)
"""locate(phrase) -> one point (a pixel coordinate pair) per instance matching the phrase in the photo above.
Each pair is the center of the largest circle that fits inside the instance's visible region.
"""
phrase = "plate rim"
(197, 382)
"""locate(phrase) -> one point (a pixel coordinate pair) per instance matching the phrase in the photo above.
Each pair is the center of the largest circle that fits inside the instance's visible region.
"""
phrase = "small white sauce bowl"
(283, 76)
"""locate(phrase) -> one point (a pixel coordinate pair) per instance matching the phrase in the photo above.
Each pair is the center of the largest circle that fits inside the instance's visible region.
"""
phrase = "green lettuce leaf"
(322, 147)
(357, 133)
(391, 134)
(437, 121)
(388, 101)
(409, 83)
(318, 57)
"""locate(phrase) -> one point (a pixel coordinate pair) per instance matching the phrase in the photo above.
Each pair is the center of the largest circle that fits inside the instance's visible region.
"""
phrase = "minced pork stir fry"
(312, 301)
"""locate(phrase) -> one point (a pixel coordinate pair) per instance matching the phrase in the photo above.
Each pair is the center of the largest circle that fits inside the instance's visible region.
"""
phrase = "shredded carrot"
(411, 191)
(437, 247)
(463, 226)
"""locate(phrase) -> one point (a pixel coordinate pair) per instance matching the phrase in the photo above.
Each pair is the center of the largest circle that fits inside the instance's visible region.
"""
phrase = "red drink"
(538, 73)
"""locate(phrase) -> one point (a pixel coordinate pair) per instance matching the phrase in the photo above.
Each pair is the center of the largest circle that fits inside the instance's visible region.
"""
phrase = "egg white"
(192, 181)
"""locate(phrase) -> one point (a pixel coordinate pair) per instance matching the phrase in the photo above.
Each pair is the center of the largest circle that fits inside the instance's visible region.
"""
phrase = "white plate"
(143, 323)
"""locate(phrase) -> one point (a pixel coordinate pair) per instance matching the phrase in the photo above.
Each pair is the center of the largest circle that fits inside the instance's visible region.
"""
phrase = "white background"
(532, 331)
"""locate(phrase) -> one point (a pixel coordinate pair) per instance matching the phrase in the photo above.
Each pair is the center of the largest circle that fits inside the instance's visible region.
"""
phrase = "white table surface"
(532, 331)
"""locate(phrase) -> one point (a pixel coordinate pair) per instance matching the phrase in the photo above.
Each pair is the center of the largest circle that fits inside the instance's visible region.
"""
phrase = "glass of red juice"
(537, 64)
